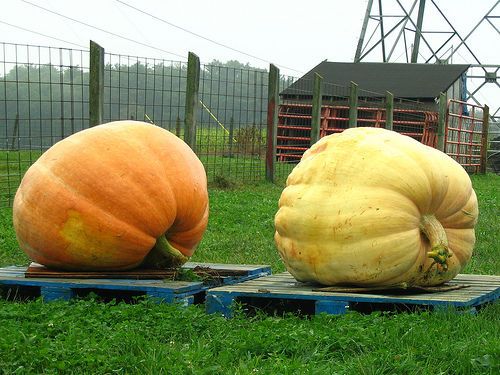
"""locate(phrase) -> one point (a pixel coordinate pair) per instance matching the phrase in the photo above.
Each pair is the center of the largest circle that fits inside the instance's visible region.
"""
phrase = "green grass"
(486, 257)
(88, 336)
(13, 165)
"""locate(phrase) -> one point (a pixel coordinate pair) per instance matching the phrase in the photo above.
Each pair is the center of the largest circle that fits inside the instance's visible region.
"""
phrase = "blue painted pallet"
(475, 290)
(232, 273)
(184, 292)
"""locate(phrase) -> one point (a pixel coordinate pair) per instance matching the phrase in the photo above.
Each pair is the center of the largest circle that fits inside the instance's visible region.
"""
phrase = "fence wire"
(145, 89)
(231, 122)
(43, 99)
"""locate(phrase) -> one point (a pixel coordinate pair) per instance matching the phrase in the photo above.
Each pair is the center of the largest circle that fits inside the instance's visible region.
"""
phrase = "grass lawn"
(88, 336)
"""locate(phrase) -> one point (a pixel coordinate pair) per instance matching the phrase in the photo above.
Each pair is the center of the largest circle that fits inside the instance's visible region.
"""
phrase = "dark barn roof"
(403, 80)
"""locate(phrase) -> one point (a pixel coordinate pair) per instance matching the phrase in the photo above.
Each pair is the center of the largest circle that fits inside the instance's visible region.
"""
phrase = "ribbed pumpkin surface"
(101, 198)
(372, 207)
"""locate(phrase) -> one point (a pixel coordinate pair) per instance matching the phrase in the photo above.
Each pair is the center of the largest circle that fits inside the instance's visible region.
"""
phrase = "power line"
(102, 30)
(199, 35)
(41, 34)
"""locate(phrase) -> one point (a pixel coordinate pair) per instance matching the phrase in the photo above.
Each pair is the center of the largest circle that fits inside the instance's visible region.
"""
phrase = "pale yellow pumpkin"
(371, 207)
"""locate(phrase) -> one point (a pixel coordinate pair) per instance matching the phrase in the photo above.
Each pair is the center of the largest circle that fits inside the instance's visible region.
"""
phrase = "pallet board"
(224, 273)
(52, 285)
(465, 291)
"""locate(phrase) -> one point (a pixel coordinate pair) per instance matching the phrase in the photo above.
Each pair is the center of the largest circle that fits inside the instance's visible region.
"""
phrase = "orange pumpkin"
(113, 197)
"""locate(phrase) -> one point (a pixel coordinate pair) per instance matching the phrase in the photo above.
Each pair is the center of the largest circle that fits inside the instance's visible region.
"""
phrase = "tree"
(51, 102)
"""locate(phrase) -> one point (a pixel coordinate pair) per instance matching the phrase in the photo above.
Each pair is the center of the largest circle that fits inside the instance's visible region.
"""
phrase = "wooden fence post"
(192, 87)
(441, 130)
(316, 108)
(353, 105)
(272, 120)
(389, 110)
(484, 140)
(96, 84)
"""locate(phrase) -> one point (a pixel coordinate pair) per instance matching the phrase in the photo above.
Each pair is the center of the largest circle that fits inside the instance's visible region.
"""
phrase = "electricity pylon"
(420, 31)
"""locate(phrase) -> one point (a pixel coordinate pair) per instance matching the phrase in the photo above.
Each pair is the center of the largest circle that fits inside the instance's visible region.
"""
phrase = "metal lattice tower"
(420, 31)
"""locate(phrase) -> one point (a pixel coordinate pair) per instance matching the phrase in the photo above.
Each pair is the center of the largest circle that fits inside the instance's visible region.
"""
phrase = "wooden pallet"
(36, 280)
(465, 291)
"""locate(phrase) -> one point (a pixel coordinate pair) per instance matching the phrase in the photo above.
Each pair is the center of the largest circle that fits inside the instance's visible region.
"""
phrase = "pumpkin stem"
(434, 231)
(164, 255)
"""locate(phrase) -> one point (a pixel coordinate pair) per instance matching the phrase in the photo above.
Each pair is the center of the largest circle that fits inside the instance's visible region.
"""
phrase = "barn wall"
(456, 90)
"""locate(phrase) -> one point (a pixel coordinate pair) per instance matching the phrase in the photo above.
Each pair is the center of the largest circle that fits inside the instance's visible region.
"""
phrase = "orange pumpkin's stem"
(164, 255)
(435, 233)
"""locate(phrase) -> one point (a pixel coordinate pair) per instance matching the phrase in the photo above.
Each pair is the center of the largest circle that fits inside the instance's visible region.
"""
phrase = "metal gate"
(465, 135)
(294, 125)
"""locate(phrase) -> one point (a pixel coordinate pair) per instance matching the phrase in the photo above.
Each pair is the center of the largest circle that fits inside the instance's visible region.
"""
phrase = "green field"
(89, 336)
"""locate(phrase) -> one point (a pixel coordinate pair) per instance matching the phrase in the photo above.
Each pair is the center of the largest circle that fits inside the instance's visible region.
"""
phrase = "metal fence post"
(389, 110)
(316, 108)
(15, 135)
(96, 84)
(231, 136)
(441, 130)
(484, 140)
(272, 120)
(353, 105)
(178, 127)
(192, 87)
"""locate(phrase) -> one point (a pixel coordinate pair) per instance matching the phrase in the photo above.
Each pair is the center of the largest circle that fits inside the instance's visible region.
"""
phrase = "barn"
(416, 89)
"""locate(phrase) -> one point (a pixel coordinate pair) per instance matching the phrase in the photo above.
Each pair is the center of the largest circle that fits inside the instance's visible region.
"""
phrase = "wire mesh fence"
(45, 95)
(145, 89)
(231, 122)
(43, 99)
(493, 155)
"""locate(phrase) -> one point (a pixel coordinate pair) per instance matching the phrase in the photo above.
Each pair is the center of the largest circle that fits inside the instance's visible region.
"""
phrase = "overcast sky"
(294, 34)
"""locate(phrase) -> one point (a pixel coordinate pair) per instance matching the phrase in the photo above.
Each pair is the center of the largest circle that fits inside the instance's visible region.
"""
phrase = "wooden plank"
(481, 289)
(308, 294)
(35, 270)
(483, 280)
(122, 285)
(286, 282)
(359, 298)
(459, 278)
(12, 270)
(306, 289)
(466, 277)
(214, 270)
(229, 267)
(388, 289)
(258, 285)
